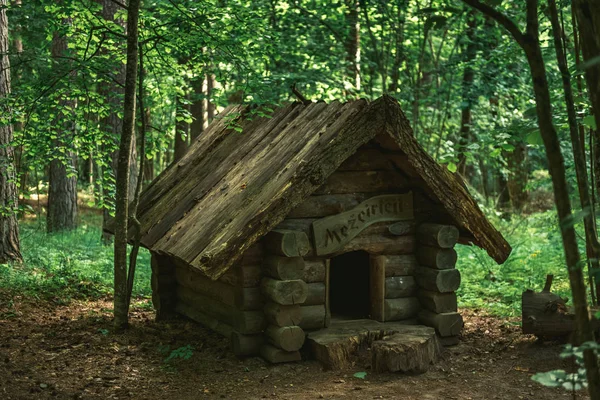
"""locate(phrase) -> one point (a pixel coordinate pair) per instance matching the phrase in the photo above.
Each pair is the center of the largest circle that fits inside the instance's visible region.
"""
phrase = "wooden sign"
(332, 233)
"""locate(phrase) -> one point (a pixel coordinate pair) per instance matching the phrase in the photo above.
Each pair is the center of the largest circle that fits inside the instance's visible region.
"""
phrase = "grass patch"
(69, 265)
(537, 251)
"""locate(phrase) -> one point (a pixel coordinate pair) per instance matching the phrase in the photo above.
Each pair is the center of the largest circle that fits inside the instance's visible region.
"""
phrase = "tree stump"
(545, 314)
(405, 352)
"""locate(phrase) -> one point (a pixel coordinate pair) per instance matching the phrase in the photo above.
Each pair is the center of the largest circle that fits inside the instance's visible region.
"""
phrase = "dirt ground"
(69, 352)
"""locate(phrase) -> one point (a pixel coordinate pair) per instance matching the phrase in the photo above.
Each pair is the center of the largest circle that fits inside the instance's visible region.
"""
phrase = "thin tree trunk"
(518, 174)
(399, 55)
(591, 236)
(10, 249)
(210, 107)
(181, 129)
(112, 123)
(352, 43)
(62, 182)
(467, 93)
(197, 109)
(121, 309)
(148, 164)
(529, 42)
(588, 21)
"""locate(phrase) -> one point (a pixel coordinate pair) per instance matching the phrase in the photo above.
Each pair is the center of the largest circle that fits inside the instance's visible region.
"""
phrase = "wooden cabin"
(281, 224)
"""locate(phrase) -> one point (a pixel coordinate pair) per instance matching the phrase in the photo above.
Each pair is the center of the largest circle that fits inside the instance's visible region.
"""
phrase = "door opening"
(349, 282)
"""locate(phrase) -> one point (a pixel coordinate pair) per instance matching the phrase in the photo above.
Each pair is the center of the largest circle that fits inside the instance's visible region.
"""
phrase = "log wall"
(438, 279)
(279, 288)
(231, 306)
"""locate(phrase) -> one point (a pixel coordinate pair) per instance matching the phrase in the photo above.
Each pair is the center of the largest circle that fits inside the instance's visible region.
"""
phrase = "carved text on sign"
(332, 233)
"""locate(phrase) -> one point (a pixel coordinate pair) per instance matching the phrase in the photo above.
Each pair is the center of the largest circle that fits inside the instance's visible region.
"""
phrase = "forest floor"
(59, 351)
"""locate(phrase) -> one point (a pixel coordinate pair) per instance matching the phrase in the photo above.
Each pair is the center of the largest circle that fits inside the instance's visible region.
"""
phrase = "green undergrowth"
(537, 251)
(69, 265)
(76, 265)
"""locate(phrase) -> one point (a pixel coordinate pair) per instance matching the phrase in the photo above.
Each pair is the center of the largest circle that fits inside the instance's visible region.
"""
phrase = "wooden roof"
(246, 172)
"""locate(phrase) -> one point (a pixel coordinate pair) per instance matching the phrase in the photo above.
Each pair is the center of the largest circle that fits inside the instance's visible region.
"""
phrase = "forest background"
(461, 79)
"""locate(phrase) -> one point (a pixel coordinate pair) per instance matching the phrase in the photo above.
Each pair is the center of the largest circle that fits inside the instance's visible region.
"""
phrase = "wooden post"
(377, 290)
(327, 308)
(316, 294)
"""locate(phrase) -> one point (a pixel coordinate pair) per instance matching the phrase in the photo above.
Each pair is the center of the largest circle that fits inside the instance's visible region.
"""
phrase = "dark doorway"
(349, 285)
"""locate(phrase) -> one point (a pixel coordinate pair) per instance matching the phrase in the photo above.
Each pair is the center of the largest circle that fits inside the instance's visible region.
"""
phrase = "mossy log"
(315, 294)
(279, 315)
(287, 243)
(288, 338)
(400, 286)
(313, 317)
(275, 356)
(314, 270)
(435, 257)
(398, 265)
(438, 280)
(245, 322)
(243, 275)
(445, 324)
(400, 309)
(284, 268)
(285, 293)
(443, 236)
(242, 298)
(438, 302)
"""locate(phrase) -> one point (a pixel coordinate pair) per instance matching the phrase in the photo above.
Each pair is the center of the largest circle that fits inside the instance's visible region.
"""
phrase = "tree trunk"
(210, 107)
(149, 164)
(353, 44)
(197, 109)
(588, 21)
(121, 309)
(399, 55)
(112, 123)
(181, 128)
(530, 43)
(62, 185)
(591, 236)
(518, 174)
(9, 228)
(467, 93)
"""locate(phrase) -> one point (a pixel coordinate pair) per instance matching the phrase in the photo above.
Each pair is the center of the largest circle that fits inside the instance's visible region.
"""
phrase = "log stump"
(404, 352)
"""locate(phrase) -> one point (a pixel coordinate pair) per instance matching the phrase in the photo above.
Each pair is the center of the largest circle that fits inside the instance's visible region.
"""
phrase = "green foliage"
(181, 353)
(569, 381)
(537, 251)
(69, 265)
